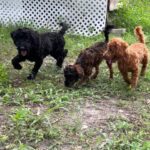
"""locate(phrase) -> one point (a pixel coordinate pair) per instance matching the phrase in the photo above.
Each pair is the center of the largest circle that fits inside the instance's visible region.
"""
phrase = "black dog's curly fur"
(34, 46)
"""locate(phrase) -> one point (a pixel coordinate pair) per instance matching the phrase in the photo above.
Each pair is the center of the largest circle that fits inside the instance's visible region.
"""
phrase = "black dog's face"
(23, 39)
(71, 75)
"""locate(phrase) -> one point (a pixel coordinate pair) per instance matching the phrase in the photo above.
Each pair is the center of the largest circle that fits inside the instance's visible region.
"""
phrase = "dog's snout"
(22, 47)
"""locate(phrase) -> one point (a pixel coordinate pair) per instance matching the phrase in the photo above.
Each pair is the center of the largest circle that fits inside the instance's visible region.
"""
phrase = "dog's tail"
(106, 31)
(139, 34)
(64, 28)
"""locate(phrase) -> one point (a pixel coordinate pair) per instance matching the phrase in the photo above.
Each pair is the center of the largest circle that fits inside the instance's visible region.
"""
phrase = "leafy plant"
(131, 14)
(3, 75)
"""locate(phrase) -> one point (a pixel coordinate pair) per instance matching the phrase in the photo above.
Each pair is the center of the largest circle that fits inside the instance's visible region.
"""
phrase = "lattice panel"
(10, 11)
(85, 17)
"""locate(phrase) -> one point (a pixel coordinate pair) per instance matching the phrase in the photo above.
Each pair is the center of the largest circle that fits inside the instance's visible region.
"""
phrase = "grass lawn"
(44, 115)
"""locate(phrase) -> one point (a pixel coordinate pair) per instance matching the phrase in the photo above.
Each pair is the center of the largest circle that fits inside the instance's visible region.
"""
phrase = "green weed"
(3, 75)
(133, 13)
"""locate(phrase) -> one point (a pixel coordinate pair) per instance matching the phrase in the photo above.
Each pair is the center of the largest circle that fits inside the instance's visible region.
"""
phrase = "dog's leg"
(134, 78)
(59, 61)
(83, 80)
(61, 58)
(96, 72)
(124, 73)
(109, 64)
(16, 60)
(35, 69)
(144, 65)
(125, 77)
(85, 77)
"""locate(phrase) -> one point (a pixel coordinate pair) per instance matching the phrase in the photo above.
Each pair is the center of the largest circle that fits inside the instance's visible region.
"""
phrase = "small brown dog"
(87, 60)
(129, 57)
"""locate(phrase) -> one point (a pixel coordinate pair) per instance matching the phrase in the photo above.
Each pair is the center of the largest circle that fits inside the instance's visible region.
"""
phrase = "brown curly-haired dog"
(129, 57)
(90, 58)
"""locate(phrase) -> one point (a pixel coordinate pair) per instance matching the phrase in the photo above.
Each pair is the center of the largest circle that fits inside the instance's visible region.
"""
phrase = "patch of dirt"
(4, 111)
(98, 114)
(2, 123)
(16, 82)
(89, 115)
(37, 109)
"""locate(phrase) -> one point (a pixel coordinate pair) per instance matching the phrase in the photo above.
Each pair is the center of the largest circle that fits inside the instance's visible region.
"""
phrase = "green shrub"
(132, 13)
(3, 75)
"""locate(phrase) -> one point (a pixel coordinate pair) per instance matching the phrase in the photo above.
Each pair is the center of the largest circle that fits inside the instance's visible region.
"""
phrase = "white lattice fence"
(84, 16)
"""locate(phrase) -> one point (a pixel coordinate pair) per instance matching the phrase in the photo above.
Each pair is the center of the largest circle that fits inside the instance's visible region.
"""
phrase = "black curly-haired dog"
(34, 46)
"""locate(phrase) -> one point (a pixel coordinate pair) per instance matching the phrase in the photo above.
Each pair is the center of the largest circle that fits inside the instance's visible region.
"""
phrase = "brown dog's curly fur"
(87, 60)
(91, 58)
(129, 57)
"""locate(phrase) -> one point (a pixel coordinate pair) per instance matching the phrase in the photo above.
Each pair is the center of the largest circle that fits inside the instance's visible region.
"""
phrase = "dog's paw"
(93, 77)
(110, 78)
(18, 67)
(129, 86)
(31, 77)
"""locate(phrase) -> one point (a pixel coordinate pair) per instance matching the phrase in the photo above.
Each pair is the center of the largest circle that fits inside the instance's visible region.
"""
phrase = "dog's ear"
(125, 45)
(65, 69)
(114, 45)
(13, 34)
(80, 71)
(111, 46)
(117, 45)
(121, 44)
(34, 36)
